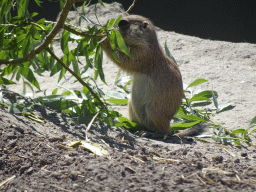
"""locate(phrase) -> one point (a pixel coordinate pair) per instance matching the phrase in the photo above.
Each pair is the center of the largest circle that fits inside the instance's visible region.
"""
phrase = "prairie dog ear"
(145, 24)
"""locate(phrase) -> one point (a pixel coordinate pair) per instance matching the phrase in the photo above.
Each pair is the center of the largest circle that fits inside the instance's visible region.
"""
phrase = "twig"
(137, 159)
(36, 24)
(240, 182)
(7, 180)
(78, 78)
(90, 124)
(237, 176)
(199, 178)
(129, 168)
(210, 180)
(132, 5)
(232, 154)
(82, 33)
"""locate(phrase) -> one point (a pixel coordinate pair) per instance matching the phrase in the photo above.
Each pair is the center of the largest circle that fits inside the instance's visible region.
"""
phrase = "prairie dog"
(157, 84)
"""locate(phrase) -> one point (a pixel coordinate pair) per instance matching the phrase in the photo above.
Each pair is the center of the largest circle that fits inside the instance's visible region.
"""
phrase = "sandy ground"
(30, 150)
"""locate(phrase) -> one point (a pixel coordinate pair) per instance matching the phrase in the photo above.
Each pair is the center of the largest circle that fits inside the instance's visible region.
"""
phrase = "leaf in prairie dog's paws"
(121, 43)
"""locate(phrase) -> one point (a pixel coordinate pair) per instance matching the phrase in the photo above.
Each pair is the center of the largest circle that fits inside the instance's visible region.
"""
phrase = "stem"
(75, 75)
(82, 33)
(132, 5)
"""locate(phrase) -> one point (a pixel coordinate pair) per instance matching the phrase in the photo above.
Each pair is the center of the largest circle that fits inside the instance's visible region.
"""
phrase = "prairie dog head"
(137, 31)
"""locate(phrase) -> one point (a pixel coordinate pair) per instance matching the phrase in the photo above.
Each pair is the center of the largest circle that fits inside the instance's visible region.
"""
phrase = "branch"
(49, 38)
(82, 33)
(75, 75)
(132, 5)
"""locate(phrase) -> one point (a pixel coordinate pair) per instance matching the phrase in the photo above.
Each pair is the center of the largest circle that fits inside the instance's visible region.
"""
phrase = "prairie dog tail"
(193, 131)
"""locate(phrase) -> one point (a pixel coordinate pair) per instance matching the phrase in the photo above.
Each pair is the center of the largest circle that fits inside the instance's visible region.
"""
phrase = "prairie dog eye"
(145, 24)
(123, 24)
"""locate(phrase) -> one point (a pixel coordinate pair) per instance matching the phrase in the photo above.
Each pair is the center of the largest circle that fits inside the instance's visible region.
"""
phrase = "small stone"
(55, 139)
(217, 159)
(237, 161)
(74, 174)
(244, 154)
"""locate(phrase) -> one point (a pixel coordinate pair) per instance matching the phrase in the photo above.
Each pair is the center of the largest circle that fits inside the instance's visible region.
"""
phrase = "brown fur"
(157, 84)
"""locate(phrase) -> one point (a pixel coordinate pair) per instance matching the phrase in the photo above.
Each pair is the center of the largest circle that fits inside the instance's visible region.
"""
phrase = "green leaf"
(196, 82)
(62, 73)
(33, 14)
(188, 117)
(201, 104)
(117, 21)
(125, 122)
(22, 7)
(183, 125)
(76, 67)
(55, 69)
(66, 59)
(168, 53)
(64, 41)
(100, 1)
(62, 3)
(93, 44)
(98, 63)
(237, 142)
(60, 104)
(198, 98)
(29, 75)
(54, 92)
(51, 60)
(2, 35)
(4, 81)
(21, 38)
(26, 45)
(25, 83)
(253, 123)
(125, 86)
(18, 73)
(242, 131)
(8, 70)
(215, 101)
(38, 3)
(121, 43)
(118, 101)
(110, 23)
(112, 39)
(85, 90)
(225, 107)
(66, 93)
(206, 93)
(88, 62)
(41, 21)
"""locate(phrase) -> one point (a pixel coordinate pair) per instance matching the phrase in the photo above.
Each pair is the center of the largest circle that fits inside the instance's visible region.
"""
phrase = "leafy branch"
(60, 23)
(76, 76)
